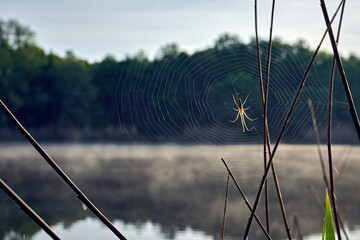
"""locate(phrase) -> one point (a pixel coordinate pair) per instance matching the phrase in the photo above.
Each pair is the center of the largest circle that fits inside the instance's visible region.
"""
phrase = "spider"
(241, 112)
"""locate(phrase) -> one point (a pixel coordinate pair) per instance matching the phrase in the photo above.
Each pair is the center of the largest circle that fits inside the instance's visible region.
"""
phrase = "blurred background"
(134, 100)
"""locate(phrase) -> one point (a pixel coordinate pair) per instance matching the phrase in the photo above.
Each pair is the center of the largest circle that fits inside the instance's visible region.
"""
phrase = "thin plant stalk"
(261, 186)
(266, 191)
(225, 205)
(317, 137)
(245, 199)
(341, 70)
(268, 65)
(341, 170)
(60, 172)
(316, 197)
(280, 200)
(28, 210)
(297, 226)
(352, 107)
(332, 186)
(266, 129)
(311, 189)
(342, 225)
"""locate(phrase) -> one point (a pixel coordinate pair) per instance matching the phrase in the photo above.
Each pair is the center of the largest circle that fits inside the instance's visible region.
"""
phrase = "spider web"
(188, 99)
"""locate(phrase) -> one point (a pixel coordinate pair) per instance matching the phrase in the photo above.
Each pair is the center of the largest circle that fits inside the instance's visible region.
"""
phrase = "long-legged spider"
(241, 112)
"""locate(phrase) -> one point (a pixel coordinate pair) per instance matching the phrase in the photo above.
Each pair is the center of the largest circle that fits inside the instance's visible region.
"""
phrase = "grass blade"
(329, 225)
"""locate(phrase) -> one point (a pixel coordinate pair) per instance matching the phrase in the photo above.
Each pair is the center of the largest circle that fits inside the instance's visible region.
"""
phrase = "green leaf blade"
(329, 225)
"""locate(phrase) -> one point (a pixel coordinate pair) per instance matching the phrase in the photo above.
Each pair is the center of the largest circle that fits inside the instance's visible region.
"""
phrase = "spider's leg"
(236, 109)
(245, 100)
(237, 116)
(235, 101)
(246, 108)
(245, 125)
(242, 122)
(249, 118)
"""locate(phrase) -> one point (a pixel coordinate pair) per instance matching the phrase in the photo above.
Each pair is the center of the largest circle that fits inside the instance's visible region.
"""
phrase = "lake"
(170, 191)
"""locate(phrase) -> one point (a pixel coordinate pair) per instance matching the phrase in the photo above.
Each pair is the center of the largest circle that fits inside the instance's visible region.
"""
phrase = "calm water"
(169, 192)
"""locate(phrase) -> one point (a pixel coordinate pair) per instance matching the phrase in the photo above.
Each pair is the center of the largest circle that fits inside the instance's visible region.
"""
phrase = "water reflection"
(170, 191)
(352, 234)
(95, 230)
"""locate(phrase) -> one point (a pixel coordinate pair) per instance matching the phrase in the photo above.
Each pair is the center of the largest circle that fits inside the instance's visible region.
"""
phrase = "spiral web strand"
(188, 99)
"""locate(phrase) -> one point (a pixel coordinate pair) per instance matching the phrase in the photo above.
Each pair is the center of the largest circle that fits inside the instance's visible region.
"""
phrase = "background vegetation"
(68, 98)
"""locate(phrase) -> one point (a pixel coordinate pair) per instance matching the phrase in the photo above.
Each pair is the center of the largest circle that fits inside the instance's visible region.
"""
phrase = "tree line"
(52, 93)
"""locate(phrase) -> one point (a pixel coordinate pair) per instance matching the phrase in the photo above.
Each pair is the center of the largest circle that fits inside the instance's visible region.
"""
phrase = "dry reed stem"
(261, 187)
(225, 205)
(350, 101)
(245, 199)
(60, 172)
(266, 139)
(317, 137)
(341, 70)
(266, 194)
(266, 129)
(28, 210)
(297, 227)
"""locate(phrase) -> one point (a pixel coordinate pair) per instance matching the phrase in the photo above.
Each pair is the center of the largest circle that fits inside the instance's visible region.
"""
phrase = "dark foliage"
(51, 93)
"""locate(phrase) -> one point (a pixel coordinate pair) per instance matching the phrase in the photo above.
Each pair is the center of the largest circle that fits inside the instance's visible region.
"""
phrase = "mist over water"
(169, 191)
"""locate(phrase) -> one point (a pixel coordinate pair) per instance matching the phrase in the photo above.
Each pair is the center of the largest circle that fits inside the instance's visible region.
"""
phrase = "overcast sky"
(93, 29)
